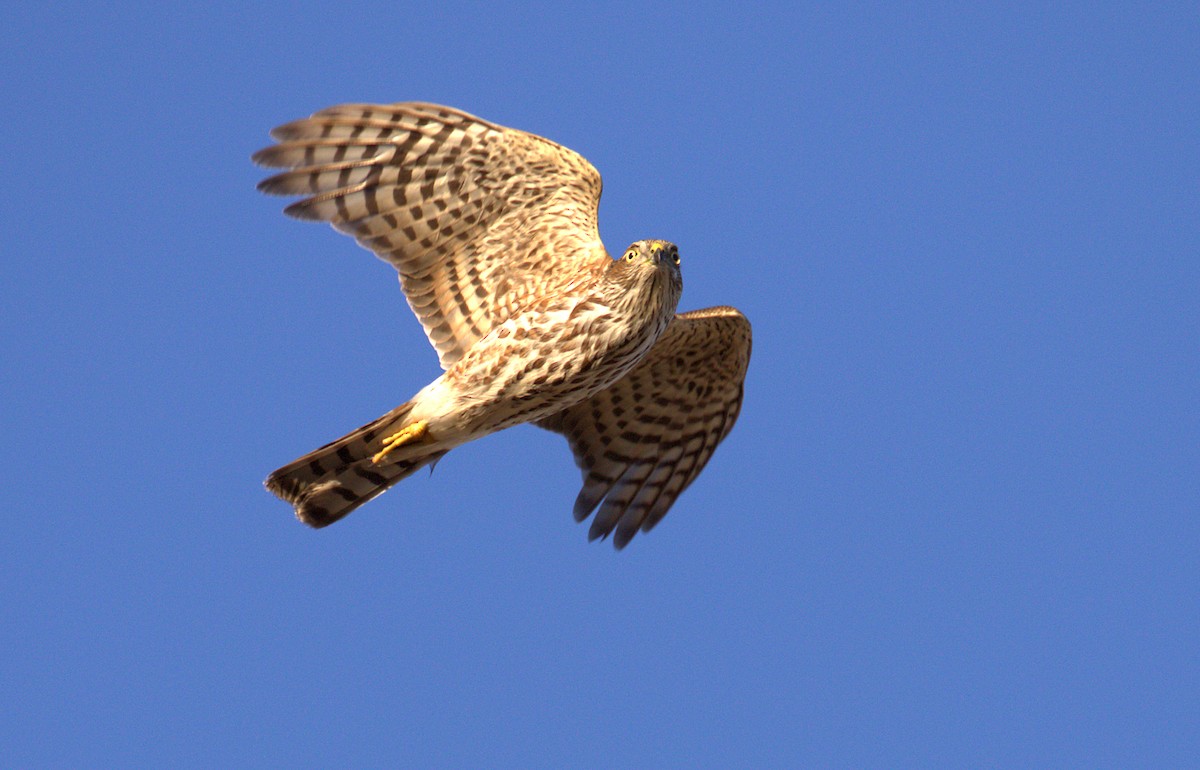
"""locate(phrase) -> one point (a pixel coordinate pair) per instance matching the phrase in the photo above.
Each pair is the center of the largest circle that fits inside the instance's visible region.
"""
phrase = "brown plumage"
(493, 233)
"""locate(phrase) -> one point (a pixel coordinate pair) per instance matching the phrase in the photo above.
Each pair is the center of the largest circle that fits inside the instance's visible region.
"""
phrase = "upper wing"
(643, 440)
(467, 211)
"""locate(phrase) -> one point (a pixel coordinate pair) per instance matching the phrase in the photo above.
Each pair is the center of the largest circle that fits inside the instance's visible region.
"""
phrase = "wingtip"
(286, 131)
(304, 210)
(266, 158)
(585, 502)
(256, 157)
(274, 185)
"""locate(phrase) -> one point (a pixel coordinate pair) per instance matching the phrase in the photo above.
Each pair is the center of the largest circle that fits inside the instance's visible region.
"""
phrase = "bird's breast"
(539, 363)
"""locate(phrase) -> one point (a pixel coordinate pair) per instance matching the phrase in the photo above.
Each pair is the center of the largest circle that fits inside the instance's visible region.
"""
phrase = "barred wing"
(474, 216)
(642, 441)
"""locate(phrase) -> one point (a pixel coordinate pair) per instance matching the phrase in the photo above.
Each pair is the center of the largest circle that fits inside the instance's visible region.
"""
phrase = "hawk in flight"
(493, 232)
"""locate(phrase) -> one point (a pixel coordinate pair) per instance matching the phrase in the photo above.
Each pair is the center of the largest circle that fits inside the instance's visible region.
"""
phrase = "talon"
(405, 435)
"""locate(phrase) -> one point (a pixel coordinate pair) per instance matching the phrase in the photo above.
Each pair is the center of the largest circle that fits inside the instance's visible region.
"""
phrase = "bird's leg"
(406, 435)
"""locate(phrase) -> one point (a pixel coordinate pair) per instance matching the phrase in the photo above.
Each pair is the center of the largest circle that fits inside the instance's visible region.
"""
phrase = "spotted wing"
(474, 216)
(642, 441)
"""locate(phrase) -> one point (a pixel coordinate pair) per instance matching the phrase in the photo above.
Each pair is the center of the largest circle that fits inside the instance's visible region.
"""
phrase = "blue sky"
(956, 524)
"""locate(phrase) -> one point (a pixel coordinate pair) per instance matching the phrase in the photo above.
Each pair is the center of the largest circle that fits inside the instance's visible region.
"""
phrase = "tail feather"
(330, 482)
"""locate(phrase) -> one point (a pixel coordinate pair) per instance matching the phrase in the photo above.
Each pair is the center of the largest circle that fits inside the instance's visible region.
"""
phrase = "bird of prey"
(493, 232)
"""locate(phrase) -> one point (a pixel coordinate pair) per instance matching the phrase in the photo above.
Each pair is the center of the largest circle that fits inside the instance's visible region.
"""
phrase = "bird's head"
(653, 253)
(648, 273)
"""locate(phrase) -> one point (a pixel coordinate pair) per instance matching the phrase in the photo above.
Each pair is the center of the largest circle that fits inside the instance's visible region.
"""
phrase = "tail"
(326, 484)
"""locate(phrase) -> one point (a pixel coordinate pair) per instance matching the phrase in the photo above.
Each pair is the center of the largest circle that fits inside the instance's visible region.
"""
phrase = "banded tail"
(330, 482)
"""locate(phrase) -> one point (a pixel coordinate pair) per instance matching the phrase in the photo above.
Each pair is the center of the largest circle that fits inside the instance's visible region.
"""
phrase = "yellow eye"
(631, 255)
(677, 257)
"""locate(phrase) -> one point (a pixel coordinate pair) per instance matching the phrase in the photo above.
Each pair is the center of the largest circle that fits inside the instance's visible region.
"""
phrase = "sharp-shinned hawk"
(493, 232)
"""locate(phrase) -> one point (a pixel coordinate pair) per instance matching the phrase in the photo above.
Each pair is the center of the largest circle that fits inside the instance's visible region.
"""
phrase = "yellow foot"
(406, 435)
